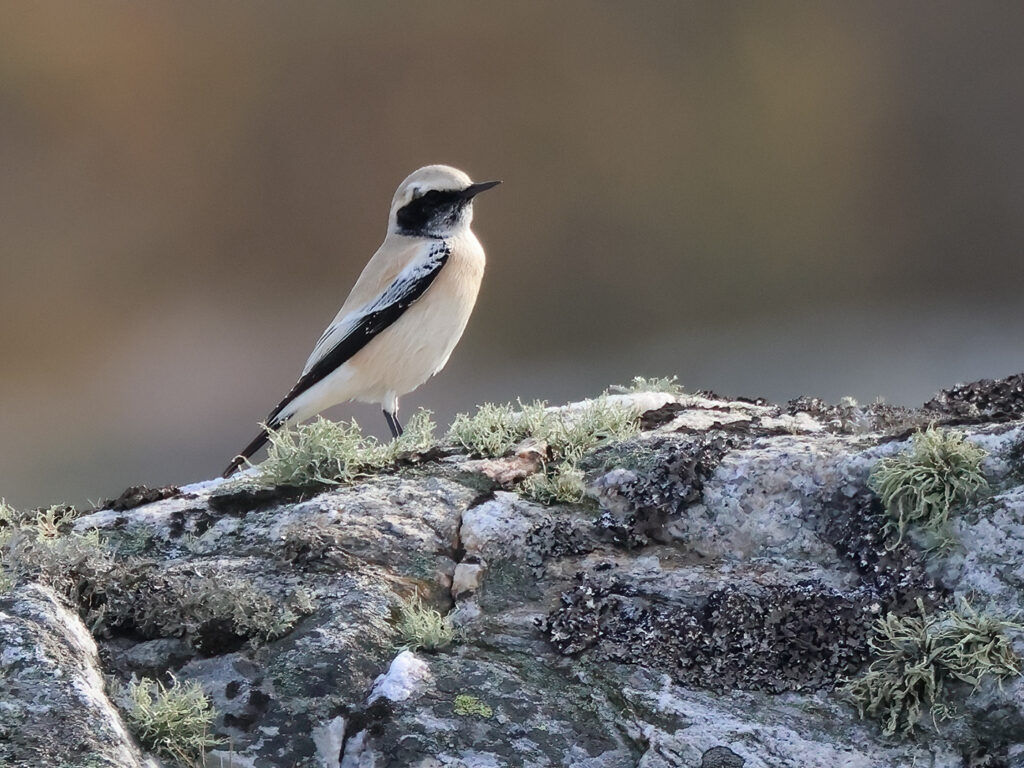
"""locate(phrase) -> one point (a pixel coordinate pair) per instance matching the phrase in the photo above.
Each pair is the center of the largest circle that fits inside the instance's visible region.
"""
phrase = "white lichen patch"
(406, 676)
(993, 564)
(223, 758)
(637, 402)
(738, 406)
(701, 420)
(796, 423)
(328, 739)
(49, 672)
(784, 735)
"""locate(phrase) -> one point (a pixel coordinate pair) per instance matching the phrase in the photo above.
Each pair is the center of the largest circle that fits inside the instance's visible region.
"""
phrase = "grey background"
(764, 198)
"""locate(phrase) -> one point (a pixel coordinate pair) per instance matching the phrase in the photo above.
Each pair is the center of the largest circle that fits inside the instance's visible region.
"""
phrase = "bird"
(405, 313)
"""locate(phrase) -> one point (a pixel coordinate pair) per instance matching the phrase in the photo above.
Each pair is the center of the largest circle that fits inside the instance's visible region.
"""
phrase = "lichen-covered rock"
(53, 705)
(985, 400)
(702, 607)
(777, 638)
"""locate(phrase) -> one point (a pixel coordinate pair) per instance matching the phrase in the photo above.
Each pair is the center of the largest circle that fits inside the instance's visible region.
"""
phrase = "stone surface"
(53, 705)
(699, 608)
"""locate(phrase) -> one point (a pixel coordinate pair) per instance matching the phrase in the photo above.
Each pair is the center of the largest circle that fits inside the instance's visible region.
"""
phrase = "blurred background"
(767, 199)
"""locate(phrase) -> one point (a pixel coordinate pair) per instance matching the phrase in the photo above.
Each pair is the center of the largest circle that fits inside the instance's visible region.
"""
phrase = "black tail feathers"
(246, 453)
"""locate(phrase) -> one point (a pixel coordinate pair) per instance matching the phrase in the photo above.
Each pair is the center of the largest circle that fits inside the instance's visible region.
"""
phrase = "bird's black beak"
(475, 189)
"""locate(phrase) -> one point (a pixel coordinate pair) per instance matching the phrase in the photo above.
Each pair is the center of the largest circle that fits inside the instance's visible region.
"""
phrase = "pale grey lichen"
(560, 484)
(917, 657)
(568, 434)
(40, 546)
(328, 452)
(494, 430)
(172, 721)
(668, 384)
(939, 474)
(423, 627)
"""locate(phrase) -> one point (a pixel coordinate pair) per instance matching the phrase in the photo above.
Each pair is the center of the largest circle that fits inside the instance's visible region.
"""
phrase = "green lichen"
(40, 546)
(563, 484)
(329, 452)
(422, 627)
(941, 473)
(918, 657)
(575, 432)
(567, 434)
(42, 524)
(112, 591)
(467, 705)
(204, 608)
(494, 430)
(171, 721)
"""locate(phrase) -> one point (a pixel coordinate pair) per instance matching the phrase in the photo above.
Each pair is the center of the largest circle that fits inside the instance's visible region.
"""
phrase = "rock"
(53, 705)
(721, 757)
(526, 459)
(701, 608)
(981, 401)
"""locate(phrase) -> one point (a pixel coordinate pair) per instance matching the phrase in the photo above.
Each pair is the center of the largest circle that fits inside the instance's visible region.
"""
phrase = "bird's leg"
(393, 425)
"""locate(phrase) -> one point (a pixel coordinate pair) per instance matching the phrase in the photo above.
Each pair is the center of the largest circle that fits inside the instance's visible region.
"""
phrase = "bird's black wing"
(355, 331)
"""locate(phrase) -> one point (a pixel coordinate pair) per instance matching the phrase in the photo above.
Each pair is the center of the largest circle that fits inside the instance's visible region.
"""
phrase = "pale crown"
(429, 203)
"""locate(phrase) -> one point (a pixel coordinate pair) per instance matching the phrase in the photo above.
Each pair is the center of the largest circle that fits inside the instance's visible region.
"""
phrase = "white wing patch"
(423, 267)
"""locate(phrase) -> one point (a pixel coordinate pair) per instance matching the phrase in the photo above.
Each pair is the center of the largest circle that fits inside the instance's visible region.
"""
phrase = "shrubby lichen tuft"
(667, 384)
(561, 484)
(494, 430)
(917, 657)
(939, 474)
(46, 523)
(568, 434)
(328, 452)
(171, 721)
(214, 612)
(423, 627)
(573, 432)
(40, 546)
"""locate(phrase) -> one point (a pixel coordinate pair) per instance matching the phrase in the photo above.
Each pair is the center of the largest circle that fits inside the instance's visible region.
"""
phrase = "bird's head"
(435, 201)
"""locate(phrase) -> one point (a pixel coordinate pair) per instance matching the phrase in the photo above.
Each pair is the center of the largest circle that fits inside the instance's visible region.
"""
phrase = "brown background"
(764, 198)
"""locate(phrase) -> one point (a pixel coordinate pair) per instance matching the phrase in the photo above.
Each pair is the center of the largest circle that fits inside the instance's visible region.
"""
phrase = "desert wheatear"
(405, 313)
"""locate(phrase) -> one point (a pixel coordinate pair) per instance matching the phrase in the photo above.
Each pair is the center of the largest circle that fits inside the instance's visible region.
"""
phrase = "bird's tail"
(247, 452)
